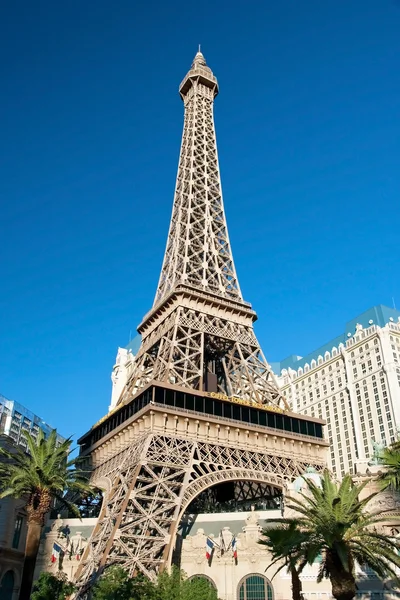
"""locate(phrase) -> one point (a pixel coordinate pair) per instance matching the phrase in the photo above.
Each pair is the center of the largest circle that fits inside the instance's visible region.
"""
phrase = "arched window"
(255, 587)
(7, 586)
(204, 578)
(203, 587)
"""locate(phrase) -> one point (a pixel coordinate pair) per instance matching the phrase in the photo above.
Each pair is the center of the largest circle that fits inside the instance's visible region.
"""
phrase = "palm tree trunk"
(343, 582)
(31, 551)
(297, 586)
(343, 586)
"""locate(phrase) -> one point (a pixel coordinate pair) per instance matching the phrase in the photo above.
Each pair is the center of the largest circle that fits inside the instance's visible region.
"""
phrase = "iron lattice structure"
(168, 461)
(198, 347)
(199, 333)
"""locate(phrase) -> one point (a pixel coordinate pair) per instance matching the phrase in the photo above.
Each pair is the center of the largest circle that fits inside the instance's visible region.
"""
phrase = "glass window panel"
(170, 397)
(227, 407)
(17, 531)
(159, 395)
(254, 416)
(262, 417)
(209, 406)
(245, 414)
(180, 399)
(311, 428)
(199, 403)
(236, 412)
(287, 423)
(189, 402)
(218, 408)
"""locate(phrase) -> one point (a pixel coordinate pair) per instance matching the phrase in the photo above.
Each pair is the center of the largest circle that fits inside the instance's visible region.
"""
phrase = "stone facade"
(71, 535)
(12, 544)
(354, 385)
(12, 540)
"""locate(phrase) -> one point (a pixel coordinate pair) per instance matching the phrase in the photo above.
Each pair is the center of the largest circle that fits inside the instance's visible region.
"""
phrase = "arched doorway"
(205, 578)
(7, 586)
(255, 587)
(204, 587)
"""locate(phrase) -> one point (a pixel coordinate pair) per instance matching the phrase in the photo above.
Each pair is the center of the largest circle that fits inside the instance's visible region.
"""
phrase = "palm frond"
(47, 468)
(332, 521)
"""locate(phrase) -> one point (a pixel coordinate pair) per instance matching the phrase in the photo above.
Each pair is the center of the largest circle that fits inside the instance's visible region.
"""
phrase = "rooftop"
(16, 418)
(378, 315)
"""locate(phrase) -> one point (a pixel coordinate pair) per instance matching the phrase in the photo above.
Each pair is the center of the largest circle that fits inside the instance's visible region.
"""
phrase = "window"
(255, 587)
(17, 531)
(7, 585)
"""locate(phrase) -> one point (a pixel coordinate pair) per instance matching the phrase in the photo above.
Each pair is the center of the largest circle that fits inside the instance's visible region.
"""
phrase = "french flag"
(234, 548)
(209, 548)
(55, 552)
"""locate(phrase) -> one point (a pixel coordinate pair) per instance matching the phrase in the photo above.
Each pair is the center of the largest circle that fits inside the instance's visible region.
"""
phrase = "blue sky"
(308, 132)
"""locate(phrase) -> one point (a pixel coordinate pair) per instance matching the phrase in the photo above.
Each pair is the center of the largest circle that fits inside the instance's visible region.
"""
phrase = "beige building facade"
(12, 545)
(353, 383)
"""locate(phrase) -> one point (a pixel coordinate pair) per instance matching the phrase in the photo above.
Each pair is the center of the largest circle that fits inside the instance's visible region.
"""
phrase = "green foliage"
(169, 585)
(115, 584)
(332, 523)
(176, 586)
(44, 470)
(286, 544)
(390, 459)
(198, 588)
(49, 587)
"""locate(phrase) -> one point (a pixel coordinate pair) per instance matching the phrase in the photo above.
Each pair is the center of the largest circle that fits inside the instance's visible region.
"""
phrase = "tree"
(115, 583)
(176, 586)
(41, 475)
(390, 459)
(198, 588)
(51, 587)
(338, 528)
(286, 543)
(169, 585)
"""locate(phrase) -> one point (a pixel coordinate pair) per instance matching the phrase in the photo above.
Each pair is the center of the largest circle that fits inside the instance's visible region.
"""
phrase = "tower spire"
(198, 251)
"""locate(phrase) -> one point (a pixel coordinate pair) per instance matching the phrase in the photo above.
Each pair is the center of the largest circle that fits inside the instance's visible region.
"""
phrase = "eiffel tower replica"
(201, 407)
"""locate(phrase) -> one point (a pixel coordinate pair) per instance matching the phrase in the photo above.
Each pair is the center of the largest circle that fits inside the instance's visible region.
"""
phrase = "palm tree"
(390, 459)
(41, 475)
(285, 543)
(337, 528)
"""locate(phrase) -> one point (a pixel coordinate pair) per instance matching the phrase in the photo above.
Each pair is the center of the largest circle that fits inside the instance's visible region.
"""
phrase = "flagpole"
(226, 584)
